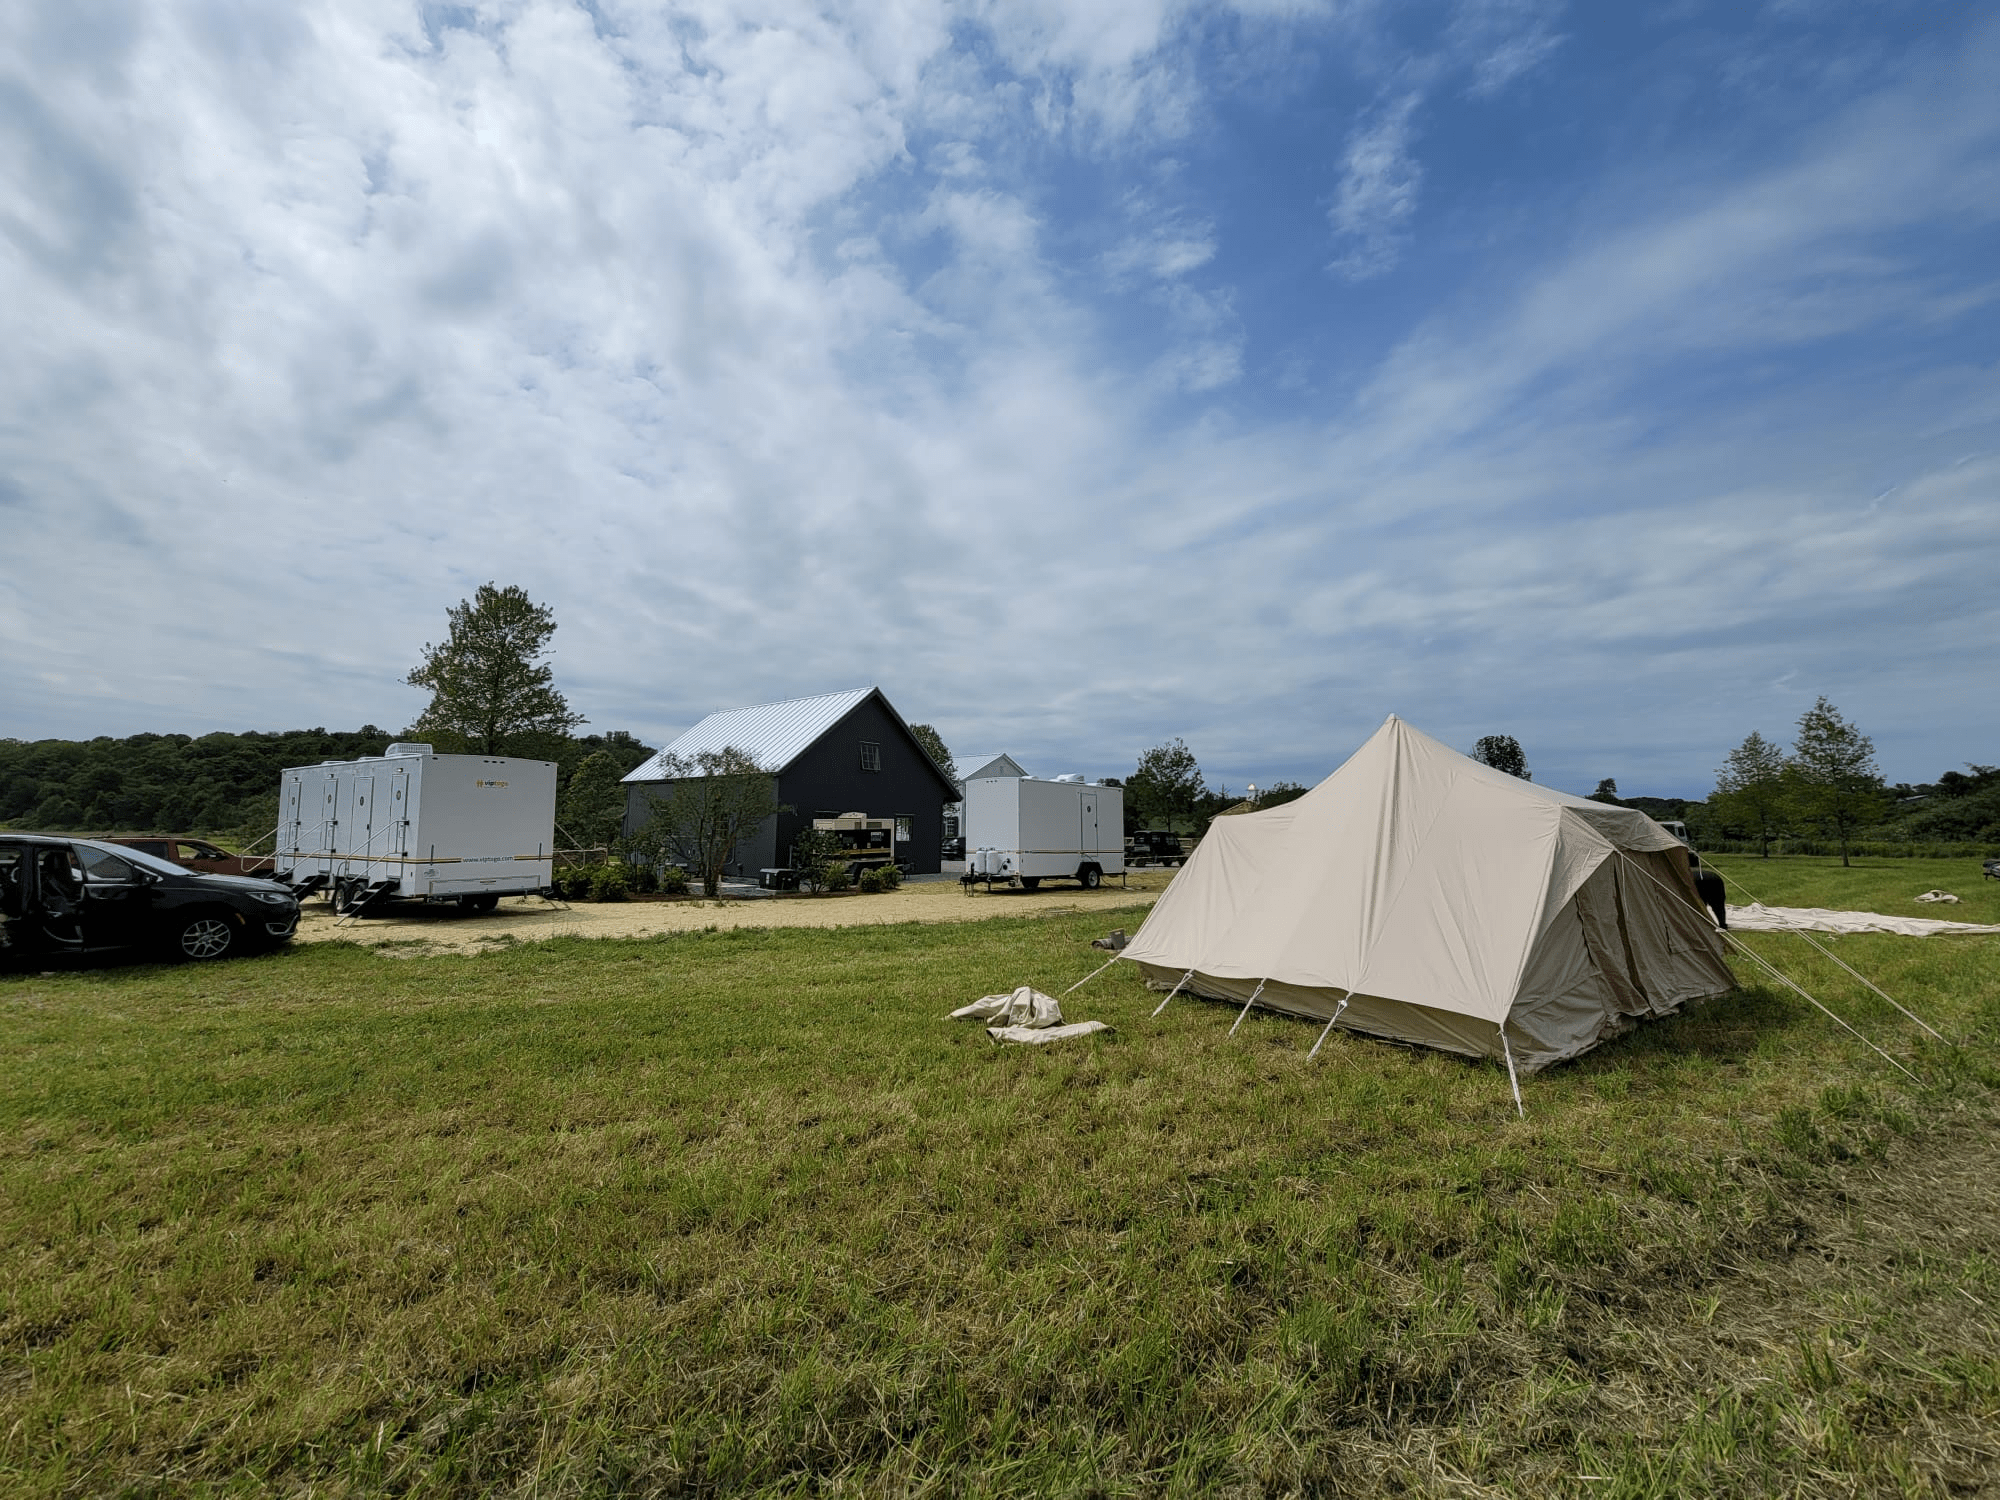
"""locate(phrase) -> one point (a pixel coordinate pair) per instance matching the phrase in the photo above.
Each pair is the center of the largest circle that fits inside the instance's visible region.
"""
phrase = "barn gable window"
(871, 756)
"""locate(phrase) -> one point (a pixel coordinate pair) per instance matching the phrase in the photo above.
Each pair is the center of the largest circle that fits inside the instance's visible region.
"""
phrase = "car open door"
(116, 898)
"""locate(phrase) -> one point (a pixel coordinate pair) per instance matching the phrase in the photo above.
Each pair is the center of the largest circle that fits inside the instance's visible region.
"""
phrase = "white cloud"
(748, 337)
(1379, 184)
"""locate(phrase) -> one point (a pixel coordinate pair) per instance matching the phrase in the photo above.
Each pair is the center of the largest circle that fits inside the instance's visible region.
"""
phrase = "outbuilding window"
(871, 756)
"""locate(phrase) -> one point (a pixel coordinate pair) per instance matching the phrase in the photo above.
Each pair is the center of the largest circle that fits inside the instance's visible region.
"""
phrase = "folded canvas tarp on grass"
(1025, 1015)
(1446, 903)
(1760, 918)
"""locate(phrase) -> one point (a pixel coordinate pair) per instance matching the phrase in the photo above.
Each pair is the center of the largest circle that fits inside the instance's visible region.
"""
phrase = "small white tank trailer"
(1026, 830)
(410, 824)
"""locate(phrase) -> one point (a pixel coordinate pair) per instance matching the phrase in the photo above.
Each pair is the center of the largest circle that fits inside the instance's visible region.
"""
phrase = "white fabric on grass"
(1025, 1015)
(1038, 1034)
(1025, 1007)
(1760, 918)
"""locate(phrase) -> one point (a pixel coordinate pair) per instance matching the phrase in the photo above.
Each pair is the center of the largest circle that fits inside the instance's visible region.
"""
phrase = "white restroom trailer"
(412, 824)
(1019, 827)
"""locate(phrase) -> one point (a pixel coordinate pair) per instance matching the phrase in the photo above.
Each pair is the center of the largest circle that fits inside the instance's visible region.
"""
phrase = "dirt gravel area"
(416, 929)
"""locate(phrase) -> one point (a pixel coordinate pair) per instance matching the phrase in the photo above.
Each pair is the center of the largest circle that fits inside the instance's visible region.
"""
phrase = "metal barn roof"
(973, 767)
(774, 734)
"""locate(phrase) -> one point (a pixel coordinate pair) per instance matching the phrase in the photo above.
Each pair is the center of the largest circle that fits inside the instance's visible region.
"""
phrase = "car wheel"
(205, 937)
(1089, 877)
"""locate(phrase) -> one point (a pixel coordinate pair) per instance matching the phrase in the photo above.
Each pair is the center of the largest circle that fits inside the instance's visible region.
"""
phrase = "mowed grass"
(742, 1212)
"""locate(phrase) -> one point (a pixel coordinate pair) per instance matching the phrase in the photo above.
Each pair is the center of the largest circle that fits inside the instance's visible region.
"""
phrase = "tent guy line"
(1734, 941)
(1828, 953)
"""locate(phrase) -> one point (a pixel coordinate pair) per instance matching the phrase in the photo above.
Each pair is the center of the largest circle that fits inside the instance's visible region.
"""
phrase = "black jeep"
(63, 898)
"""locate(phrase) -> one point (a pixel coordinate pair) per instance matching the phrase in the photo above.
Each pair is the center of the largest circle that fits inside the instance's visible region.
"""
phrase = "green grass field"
(734, 1212)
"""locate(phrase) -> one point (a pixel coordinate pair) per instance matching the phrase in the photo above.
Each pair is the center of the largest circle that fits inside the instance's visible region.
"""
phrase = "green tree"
(813, 855)
(1607, 791)
(488, 686)
(1833, 778)
(1167, 785)
(1278, 793)
(1750, 789)
(933, 744)
(593, 805)
(1503, 753)
(714, 799)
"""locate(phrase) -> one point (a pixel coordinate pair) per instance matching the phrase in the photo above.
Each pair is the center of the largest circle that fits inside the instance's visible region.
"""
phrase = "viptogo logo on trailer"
(489, 783)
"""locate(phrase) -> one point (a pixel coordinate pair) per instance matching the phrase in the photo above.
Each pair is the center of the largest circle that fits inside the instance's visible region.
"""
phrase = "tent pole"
(1330, 1025)
(1173, 992)
(1246, 1006)
(1513, 1081)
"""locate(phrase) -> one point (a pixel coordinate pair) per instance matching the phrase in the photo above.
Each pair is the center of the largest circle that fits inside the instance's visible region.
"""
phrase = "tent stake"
(1088, 977)
(1330, 1025)
(1246, 1006)
(1513, 1081)
(1173, 992)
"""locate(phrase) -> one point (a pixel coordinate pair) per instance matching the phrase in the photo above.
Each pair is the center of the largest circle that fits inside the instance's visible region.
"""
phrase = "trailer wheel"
(474, 906)
(1031, 882)
(1089, 876)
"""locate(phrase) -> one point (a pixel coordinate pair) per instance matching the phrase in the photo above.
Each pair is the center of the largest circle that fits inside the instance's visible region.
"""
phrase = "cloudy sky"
(1617, 377)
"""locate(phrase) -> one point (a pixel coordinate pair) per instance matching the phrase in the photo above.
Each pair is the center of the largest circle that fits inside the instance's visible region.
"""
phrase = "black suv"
(62, 897)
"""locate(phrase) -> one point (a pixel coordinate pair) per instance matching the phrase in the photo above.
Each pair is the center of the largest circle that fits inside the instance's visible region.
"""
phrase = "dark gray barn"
(833, 754)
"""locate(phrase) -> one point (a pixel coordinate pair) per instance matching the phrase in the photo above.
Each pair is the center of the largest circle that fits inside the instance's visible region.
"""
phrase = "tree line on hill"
(493, 694)
(226, 785)
(1828, 789)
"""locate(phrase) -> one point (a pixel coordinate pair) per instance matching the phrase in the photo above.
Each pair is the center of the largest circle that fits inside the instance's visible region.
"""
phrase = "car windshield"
(139, 857)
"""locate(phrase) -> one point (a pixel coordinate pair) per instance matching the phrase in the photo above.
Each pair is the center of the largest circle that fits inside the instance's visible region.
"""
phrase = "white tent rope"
(1755, 957)
(1247, 1004)
(1837, 959)
(1329, 1026)
(1173, 992)
(1741, 947)
(1513, 1079)
(1088, 977)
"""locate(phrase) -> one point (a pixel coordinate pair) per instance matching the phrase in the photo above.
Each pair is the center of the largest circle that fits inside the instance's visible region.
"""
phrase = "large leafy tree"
(933, 742)
(1167, 785)
(593, 804)
(713, 801)
(1750, 789)
(1503, 753)
(490, 690)
(1833, 778)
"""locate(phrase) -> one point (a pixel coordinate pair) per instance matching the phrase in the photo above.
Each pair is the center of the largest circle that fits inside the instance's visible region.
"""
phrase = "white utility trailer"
(411, 824)
(1021, 828)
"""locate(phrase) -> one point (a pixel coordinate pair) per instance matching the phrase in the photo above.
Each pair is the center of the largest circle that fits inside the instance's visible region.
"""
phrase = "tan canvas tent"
(1418, 895)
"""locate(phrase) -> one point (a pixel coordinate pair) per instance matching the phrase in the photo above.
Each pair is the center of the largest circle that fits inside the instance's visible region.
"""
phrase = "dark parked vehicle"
(64, 898)
(195, 854)
(1154, 846)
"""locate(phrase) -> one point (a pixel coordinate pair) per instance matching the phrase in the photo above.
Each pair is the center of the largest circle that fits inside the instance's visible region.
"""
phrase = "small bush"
(892, 878)
(609, 882)
(573, 883)
(673, 881)
(870, 882)
(833, 876)
(645, 878)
